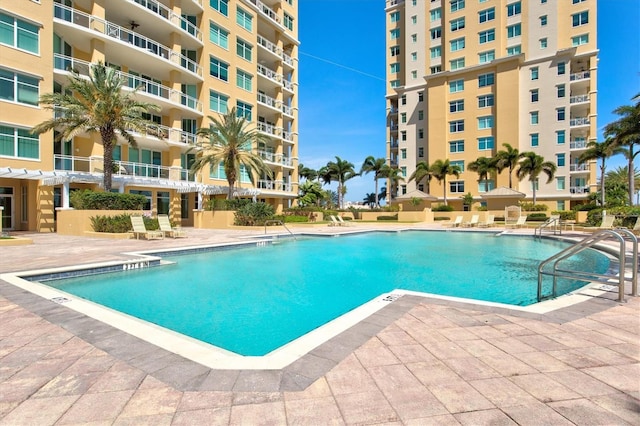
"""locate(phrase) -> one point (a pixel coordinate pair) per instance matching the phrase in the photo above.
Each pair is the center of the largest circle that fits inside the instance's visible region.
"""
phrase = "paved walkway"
(431, 362)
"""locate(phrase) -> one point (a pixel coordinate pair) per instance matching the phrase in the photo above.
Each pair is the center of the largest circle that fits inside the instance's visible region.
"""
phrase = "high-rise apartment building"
(192, 58)
(465, 77)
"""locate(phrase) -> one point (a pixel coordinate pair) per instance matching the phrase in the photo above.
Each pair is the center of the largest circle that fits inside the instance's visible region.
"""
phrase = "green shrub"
(253, 214)
(113, 224)
(537, 217)
(530, 207)
(92, 200)
(328, 213)
(222, 204)
(585, 207)
(565, 214)
(436, 218)
(295, 218)
(442, 208)
(394, 217)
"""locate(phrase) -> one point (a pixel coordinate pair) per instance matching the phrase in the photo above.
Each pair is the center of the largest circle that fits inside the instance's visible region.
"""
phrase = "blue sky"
(342, 72)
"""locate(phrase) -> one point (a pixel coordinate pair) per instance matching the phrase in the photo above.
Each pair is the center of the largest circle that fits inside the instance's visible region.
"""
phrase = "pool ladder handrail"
(278, 222)
(553, 223)
(621, 235)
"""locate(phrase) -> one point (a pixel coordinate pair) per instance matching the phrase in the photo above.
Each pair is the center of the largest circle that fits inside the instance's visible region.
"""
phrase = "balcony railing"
(580, 121)
(67, 63)
(266, 10)
(115, 31)
(286, 109)
(579, 189)
(274, 185)
(580, 76)
(168, 14)
(272, 157)
(578, 144)
(579, 99)
(287, 136)
(270, 74)
(268, 128)
(267, 100)
(579, 168)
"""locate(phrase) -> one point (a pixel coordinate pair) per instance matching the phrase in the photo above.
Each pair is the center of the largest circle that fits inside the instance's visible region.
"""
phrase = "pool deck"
(416, 361)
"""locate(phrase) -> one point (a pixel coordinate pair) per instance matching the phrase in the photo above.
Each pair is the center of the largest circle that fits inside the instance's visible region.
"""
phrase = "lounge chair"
(455, 223)
(473, 222)
(487, 223)
(520, 223)
(343, 222)
(636, 227)
(167, 229)
(607, 223)
(334, 221)
(137, 223)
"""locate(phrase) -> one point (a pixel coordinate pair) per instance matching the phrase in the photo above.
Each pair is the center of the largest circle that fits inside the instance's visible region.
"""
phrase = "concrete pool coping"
(290, 372)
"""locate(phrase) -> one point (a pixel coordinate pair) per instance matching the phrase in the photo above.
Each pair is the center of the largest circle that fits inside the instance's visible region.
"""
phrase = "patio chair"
(137, 223)
(487, 223)
(636, 227)
(520, 223)
(333, 221)
(457, 222)
(607, 223)
(167, 229)
(473, 222)
(343, 222)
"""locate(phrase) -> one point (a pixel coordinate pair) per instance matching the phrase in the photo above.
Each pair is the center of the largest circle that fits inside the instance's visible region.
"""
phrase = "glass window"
(485, 122)
(403, 100)
(560, 137)
(581, 18)
(534, 73)
(414, 74)
(420, 133)
(243, 80)
(456, 106)
(514, 9)
(560, 160)
(514, 30)
(403, 135)
(403, 153)
(244, 19)
(534, 95)
(456, 86)
(543, 21)
(395, 34)
(533, 117)
(580, 40)
(243, 109)
(394, 68)
(456, 126)
(17, 33)
(487, 36)
(288, 21)
(485, 101)
(514, 50)
(436, 52)
(395, 83)
(19, 143)
(218, 36)
(18, 88)
(534, 138)
(420, 115)
(456, 64)
(560, 113)
(420, 152)
(487, 15)
(403, 117)
(435, 14)
(395, 50)
(456, 186)
(420, 96)
(459, 164)
(543, 43)
(457, 44)
(486, 79)
(414, 56)
(457, 24)
(457, 5)
(485, 57)
(485, 143)
(403, 171)
(218, 69)
(414, 19)
(560, 185)
(436, 33)
(218, 102)
(221, 6)
(561, 68)
(435, 69)
(395, 16)
(243, 49)
(561, 91)
(456, 146)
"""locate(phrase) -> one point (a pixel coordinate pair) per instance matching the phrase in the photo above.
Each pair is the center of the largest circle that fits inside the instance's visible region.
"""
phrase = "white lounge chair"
(333, 221)
(520, 223)
(167, 229)
(457, 222)
(342, 222)
(473, 222)
(137, 223)
(607, 223)
(487, 223)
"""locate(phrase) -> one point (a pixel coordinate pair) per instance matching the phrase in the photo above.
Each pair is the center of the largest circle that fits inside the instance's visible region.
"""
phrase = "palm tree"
(371, 199)
(440, 170)
(310, 193)
(508, 159)
(625, 133)
(484, 167)
(598, 151)
(340, 171)
(532, 165)
(97, 105)
(228, 141)
(394, 177)
(306, 172)
(422, 172)
(377, 166)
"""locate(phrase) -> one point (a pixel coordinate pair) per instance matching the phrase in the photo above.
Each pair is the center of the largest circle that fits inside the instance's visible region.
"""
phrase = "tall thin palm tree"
(394, 177)
(598, 151)
(440, 170)
(532, 165)
(230, 142)
(98, 105)
(625, 133)
(484, 166)
(340, 171)
(508, 159)
(377, 166)
(422, 172)
(306, 172)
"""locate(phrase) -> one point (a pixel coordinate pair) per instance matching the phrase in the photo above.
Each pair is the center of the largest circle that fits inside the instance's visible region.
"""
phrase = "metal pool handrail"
(278, 222)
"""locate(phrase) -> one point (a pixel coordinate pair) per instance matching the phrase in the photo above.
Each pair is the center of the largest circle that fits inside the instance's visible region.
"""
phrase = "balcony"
(120, 168)
(271, 47)
(112, 31)
(287, 110)
(578, 167)
(580, 121)
(176, 20)
(268, 101)
(274, 185)
(274, 158)
(269, 129)
(579, 189)
(67, 63)
(270, 74)
(579, 99)
(287, 136)
(578, 144)
(580, 76)
(266, 11)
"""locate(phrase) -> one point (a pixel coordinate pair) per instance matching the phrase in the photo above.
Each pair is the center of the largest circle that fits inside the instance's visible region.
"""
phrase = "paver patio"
(425, 361)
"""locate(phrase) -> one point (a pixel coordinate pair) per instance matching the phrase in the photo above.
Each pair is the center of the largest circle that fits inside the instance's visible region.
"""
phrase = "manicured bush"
(585, 207)
(120, 223)
(295, 218)
(442, 208)
(382, 218)
(92, 200)
(530, 207)
(436, 218)
(222, 204)
(253, 214)
(565, 214)
(537, 217)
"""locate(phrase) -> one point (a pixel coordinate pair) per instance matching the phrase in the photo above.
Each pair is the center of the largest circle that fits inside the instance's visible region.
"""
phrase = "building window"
(485, 122)
(18, 143)
(243, 80)
(486, 79)
(560, 206)
(534, 139)
(403, 100)
(534, 95)
(457, 24)
(485, 57)
(288, 21)
(456, 126)
(456, 64)
(487, 36)
(414, 74)
(394, 68)
(403, 171)
(435, 14)
(218, 69)
(221, 6)
(561, 91)
(560, 113)
(414, 19)
(456, 146)
(17, 33)
(457, 44)
(403, 189)
(395, 83)
(414, 56)
(580, 40)
(395, 34)
(533, 117)
(543, 43)
(435, 69)
(436, 52)
(560, 160)
(543, 21)
(244, 19)
(420, 96)
(403, 135)
(420, 133)
(514, 9)
(456, 106)
(456, 186)
(514, 50)
(218, 102)
(487, 15)
(436, 33)
(485, 143)
(18, 88)
(395, 50)
(420, 115)
(414, 38)
(456, 86)
(514, 30)
(243, 109)
(486, 185)
(560, 137)
(403, 117)
(243, 49)
(403, 153)
(560, 185)
(395, 16)
(218, 36)
(420, 152)
(485, 101)
(581, 18)
(534, 73)
(457, 5)
(561, 68)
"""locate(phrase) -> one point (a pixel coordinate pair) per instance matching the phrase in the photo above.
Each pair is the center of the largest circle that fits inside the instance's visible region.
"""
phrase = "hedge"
(91, 200)
(120, 224)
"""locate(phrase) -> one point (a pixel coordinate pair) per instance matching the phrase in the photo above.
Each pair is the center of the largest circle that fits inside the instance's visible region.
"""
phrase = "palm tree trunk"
(510, 172)
(231, 184)
(444, 188)
(108, 140)
(533, 186)
(602, 169)
(631, 176)
(376, 180)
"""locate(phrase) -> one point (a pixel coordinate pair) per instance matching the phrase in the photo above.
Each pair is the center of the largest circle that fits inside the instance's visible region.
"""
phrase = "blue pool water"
(253, 300)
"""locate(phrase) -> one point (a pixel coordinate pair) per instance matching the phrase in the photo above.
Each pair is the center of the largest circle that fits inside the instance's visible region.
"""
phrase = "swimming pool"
(255, 299)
